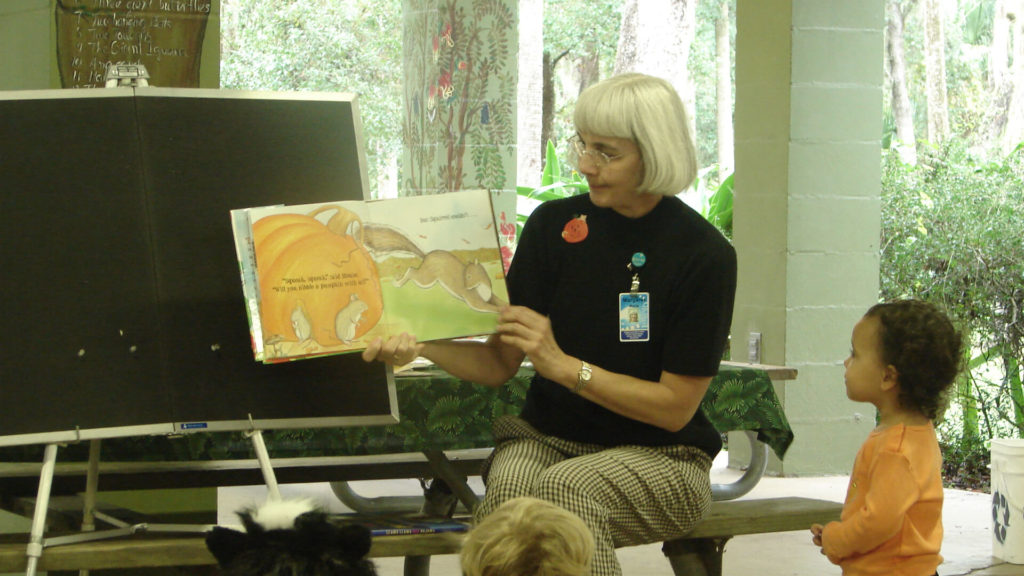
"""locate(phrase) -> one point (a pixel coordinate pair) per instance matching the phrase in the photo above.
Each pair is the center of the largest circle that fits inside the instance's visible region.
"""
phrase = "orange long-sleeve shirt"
(892, 518)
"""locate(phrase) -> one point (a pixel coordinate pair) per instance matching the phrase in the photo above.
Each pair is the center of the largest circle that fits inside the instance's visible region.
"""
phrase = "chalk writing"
(166, 36)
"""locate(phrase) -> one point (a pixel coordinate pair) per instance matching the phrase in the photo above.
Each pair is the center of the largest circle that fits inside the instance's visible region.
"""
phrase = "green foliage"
(951, 235)
(559, 181)
(965, 463)
(581, 27)
(353, 46)
(977, 22)
(555, 182)
(716, 206)
(703, 71)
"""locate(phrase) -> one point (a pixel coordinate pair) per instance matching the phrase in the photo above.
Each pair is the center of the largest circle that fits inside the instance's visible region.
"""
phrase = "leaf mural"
(460, 91)
(446, 416)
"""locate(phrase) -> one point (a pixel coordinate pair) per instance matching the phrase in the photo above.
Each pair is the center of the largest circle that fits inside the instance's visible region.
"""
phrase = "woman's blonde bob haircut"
(648, 111)
(528, 537)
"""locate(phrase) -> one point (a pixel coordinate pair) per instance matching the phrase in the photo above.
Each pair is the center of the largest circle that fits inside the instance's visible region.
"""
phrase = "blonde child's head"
(918, 341)
(528, 537)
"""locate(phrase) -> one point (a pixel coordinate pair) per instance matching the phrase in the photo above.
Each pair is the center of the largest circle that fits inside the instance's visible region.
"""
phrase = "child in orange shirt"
(905, 355)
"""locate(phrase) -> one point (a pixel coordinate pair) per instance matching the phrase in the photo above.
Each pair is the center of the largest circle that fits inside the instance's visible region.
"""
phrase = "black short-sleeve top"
(571, 264)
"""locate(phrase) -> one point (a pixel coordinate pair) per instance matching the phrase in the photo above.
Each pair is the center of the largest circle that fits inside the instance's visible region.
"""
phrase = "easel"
(37, 541)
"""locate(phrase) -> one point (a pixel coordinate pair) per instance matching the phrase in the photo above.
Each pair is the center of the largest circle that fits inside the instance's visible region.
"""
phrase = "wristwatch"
(582, 377)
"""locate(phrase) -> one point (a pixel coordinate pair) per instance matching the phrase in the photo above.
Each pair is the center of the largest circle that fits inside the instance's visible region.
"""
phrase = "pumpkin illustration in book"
(320, 287)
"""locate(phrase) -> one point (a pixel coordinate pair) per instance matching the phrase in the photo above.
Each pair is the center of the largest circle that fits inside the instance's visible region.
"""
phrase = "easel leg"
(35, 543)
(273, 492)
(92, 481)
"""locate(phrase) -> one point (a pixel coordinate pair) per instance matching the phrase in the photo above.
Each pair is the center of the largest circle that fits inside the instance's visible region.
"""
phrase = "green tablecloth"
(443, 413)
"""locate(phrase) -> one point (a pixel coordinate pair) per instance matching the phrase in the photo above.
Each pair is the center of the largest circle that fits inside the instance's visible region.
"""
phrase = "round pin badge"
(639, 259)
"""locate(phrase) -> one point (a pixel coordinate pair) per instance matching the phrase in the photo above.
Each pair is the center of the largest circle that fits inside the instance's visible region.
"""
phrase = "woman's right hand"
(397, 351)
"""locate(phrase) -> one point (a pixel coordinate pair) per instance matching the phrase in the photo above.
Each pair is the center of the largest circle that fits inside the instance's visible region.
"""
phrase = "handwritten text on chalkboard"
(166, 36)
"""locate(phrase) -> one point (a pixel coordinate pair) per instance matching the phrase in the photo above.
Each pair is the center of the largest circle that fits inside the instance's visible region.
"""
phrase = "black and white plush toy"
(291, 538)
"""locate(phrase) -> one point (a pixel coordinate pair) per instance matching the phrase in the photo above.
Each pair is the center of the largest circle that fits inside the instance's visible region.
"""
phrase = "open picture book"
(328, 278)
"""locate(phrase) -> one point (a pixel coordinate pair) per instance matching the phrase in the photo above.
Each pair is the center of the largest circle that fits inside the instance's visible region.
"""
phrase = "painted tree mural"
(460, 93)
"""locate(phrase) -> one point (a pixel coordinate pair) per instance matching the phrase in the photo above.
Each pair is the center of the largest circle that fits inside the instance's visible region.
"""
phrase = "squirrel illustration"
(468, 282)
(343, 222)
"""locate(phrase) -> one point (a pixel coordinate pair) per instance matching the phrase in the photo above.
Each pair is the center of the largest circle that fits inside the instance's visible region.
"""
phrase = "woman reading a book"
(622, 300)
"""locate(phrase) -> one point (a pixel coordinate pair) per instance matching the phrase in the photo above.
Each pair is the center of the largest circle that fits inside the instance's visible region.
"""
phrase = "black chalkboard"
(123, 311)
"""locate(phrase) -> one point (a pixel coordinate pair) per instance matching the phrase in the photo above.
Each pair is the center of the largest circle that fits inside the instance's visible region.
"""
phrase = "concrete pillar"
(808, 126)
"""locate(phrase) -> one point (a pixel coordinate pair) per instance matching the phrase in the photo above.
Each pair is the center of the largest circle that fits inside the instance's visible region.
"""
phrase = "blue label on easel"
(193, 425)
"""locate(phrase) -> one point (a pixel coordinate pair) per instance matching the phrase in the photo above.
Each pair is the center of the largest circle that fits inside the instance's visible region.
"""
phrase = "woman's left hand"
(531, 332)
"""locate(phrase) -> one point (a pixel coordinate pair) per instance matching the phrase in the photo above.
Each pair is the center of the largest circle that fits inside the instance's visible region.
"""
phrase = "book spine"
(401, 531)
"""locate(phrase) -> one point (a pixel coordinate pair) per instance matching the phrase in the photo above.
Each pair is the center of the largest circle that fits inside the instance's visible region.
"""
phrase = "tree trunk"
(626, 53)
(655, 38)
(1013, 135)
(902, 113)
(1005, 121)
(1016, 388)
(589, 67)
(531, 94)
(547, 116)
(999, 48)
(970, 425)
(935, 72)
(723, 94)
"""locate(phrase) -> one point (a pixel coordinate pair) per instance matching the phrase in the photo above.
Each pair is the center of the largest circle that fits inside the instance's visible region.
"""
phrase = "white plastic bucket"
(1008, 499)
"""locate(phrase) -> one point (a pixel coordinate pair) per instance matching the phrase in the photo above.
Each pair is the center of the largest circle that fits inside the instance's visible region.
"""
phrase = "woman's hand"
(397, 351)
(530, 332)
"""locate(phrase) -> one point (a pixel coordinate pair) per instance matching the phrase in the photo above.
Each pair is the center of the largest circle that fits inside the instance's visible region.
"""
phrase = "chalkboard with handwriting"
(166, 36)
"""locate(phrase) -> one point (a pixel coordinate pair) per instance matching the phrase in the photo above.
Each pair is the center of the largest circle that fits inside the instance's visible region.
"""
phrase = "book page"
(440, 265)
(333, 276)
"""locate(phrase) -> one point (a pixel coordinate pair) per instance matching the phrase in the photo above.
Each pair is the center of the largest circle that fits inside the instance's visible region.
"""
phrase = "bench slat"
(191, 551)
(763, 515)
(726, 519)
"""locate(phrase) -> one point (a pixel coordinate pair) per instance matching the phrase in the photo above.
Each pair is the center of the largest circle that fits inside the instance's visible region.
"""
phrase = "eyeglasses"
(577, 150)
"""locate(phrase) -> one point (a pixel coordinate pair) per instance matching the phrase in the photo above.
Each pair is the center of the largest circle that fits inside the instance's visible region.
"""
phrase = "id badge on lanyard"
(635, 306)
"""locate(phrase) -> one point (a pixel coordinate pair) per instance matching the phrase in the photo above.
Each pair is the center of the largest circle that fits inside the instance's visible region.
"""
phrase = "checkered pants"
(627, 495)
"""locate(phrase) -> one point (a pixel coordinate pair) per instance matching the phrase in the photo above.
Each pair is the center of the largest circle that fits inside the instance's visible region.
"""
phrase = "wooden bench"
(698, 553)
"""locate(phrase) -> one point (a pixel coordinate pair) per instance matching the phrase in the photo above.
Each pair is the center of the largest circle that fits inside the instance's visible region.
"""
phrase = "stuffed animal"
(291, 538)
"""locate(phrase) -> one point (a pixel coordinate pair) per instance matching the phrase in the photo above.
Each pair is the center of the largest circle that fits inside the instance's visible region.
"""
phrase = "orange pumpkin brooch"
(576, 229)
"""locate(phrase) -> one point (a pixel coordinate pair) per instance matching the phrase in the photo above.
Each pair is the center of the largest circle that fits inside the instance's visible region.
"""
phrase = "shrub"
(951, 235)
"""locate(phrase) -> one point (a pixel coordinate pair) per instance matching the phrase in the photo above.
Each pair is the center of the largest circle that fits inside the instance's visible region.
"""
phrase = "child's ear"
(890, 378)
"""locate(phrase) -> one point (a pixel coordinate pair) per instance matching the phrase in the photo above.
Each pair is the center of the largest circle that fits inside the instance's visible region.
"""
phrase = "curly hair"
(924, 346)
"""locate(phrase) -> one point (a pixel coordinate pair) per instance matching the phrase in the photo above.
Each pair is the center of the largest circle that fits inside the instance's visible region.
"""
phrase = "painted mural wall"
(460, 63)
